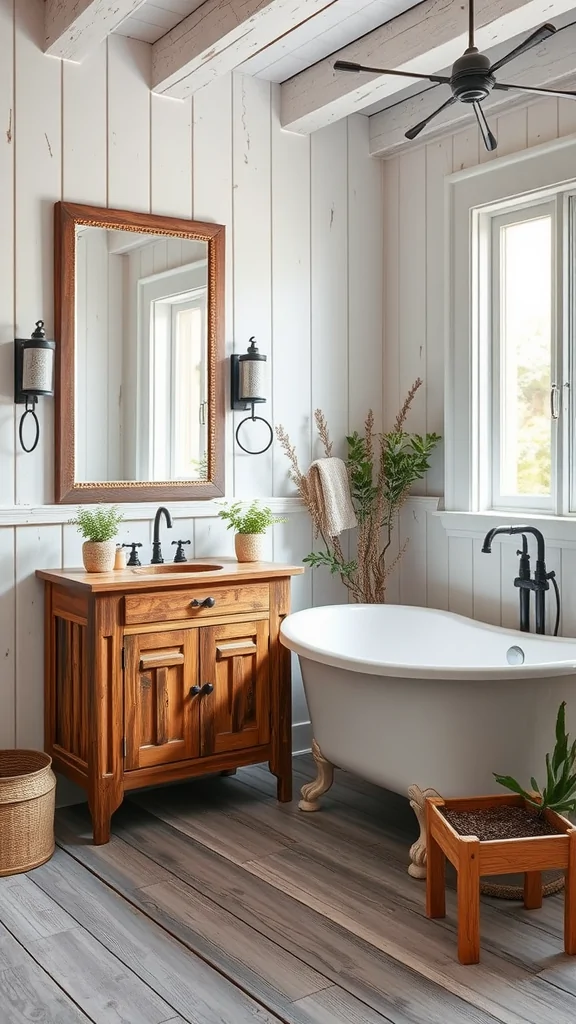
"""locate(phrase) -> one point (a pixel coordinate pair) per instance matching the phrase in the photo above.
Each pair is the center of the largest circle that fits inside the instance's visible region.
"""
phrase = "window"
(510, 441)
(522, 359)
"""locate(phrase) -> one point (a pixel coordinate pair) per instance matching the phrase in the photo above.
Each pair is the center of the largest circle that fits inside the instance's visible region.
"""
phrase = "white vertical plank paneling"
(566, 117)
(512, 131)
(251, 153)
(438, 165)
(293, 541)
(487, 583)
(330, 280)
(509, 594)
(391, 317)
(542, 122)
(436, 563)
(329, 272)
(465, 147)
(391, 348)
(171, 162)
(291, 337)
(213, 201)
(568, 592)
(7, 639)
(212, 539)
(412, 288)
(37, 185)
(553, 564)
(7, 149)
(128, 123)
(365, 274)
(84, 115)
(460, 576)
(35, 547)
(413, 566)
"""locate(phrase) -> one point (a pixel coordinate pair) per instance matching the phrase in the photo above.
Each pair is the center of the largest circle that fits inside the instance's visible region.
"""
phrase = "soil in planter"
(503, 822)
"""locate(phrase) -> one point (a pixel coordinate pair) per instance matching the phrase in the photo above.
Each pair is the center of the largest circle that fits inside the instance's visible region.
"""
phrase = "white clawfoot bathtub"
(414, 699)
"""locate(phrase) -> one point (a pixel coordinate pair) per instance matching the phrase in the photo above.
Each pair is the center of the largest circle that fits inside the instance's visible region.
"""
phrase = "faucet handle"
(133, 559)
(180, 556)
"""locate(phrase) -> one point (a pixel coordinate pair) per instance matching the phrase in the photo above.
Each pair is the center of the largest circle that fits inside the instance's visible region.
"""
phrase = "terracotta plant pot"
(249, 547)
(98, 555)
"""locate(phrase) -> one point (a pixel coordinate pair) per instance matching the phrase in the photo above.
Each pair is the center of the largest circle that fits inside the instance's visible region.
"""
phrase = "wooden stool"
(473, 858)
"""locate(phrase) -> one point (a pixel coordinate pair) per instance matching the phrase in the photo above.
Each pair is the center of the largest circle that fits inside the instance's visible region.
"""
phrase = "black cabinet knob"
(201, 691)
(208, 602)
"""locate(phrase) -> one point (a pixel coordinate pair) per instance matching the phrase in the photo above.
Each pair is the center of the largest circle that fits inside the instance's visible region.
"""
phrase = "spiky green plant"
(98, 524)
(559, 793)
(254, 519)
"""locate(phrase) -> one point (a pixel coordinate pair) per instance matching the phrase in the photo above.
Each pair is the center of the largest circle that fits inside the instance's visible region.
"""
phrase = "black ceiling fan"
(472, 78)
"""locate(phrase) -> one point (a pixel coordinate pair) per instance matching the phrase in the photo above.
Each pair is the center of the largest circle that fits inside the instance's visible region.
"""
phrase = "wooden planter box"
(473, 858)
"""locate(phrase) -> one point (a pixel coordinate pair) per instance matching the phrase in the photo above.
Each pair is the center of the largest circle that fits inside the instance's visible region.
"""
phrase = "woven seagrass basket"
(27, 797)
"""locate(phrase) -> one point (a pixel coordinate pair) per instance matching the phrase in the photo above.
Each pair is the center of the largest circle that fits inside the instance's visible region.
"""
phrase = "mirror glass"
(140, 356)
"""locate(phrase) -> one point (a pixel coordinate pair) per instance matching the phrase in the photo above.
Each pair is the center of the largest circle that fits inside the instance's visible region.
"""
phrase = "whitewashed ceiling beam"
(426, 38)
(74, 27)
(550, 65)
(219, 36)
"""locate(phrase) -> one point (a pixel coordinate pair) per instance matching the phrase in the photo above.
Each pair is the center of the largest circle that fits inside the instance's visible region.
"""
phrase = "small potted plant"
(99, 526)
(493, 835)
(250, 526)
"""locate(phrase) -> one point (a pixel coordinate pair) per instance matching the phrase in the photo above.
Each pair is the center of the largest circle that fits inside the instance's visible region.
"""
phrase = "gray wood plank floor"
(214, 904)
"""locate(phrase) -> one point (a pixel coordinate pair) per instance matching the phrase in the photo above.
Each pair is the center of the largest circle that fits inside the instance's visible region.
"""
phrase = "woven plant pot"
(27, 797)
(99, 555)
(249, 547)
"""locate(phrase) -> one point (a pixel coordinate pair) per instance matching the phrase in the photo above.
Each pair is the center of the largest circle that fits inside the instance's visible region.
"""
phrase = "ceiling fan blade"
(413, 132)
(538, 36)
(489, 139)
(563, 93)
(346, 65)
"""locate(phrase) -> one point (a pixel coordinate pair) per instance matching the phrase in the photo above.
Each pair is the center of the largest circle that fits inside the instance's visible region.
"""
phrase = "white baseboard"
(68, 793)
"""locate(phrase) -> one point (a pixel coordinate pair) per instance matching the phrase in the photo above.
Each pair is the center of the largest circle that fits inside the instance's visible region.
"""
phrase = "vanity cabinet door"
(234, 659)
(161, 714)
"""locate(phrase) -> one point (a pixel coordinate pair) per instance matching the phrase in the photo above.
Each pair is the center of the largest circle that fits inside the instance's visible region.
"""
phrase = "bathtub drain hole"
(515, 655)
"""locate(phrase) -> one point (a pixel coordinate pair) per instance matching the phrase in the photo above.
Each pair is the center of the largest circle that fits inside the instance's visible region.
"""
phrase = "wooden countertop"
(144, 577)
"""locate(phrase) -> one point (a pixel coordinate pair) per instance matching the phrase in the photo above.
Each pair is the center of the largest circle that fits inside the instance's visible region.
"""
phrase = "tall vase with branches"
(381, 470)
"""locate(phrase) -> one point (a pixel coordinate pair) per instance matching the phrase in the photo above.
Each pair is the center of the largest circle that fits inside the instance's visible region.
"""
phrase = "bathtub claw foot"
(321, 784)
(417, 797)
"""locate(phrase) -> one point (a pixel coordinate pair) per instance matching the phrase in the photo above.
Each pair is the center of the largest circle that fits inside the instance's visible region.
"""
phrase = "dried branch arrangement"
(381, 469)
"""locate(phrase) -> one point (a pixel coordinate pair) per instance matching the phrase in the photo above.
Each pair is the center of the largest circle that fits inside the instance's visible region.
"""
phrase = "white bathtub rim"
(291, 637)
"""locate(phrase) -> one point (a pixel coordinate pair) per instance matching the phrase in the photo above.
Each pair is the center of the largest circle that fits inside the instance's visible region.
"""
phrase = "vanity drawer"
(171, 605)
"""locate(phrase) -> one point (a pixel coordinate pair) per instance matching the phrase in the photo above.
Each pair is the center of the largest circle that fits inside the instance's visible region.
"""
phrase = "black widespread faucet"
(156, 546)
(524, 581)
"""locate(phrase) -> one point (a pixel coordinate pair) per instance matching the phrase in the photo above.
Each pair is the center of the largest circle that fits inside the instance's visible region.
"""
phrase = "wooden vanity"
(165, 672)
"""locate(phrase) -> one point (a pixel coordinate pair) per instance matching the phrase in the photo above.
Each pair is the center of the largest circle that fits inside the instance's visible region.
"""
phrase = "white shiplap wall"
(440, 570)
(304, 272)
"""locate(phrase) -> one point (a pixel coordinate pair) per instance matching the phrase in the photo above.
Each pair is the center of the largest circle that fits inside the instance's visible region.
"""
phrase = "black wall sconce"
(247, 390)
(33, 376)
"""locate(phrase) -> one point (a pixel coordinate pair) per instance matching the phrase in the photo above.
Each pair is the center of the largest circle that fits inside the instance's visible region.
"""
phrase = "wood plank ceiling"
(295, 43)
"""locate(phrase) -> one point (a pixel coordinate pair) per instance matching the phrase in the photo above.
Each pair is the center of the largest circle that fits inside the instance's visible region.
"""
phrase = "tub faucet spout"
(524, 581)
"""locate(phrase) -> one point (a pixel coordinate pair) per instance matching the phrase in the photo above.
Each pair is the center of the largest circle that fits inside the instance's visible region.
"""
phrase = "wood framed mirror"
(139, 326)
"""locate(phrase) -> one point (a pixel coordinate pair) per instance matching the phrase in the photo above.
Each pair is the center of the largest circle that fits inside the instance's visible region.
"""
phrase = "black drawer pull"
(208, 602)
(203, 691)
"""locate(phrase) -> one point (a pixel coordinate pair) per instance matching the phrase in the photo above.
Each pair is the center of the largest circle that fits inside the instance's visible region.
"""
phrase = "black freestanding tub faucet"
(539, 583)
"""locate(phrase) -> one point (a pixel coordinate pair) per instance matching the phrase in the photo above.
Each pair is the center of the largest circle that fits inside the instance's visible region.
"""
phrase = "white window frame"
(473, 197)
(492, 358)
